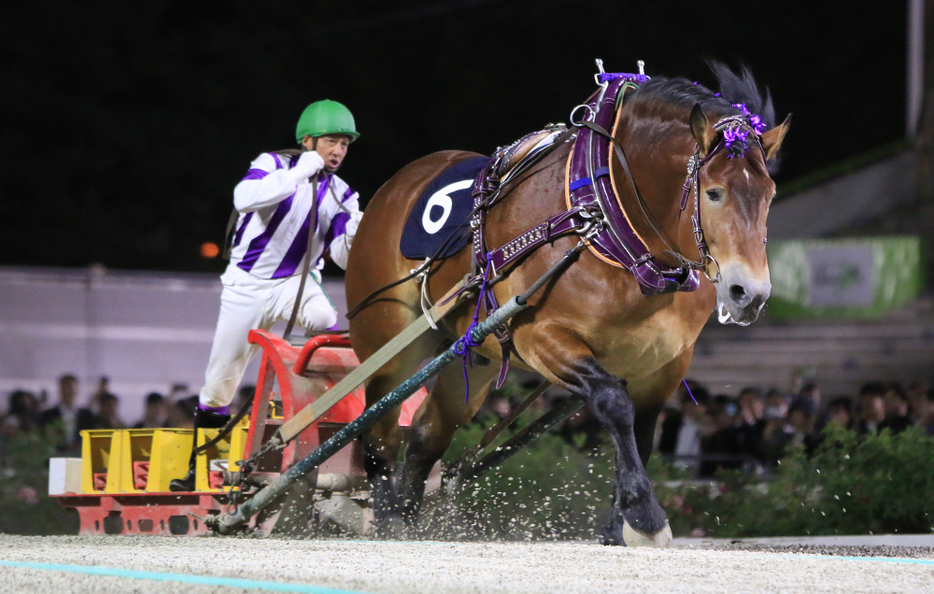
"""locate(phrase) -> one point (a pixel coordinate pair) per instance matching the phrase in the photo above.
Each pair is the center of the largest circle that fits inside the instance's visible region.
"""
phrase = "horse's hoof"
(391, 528)
(613, 537)
(634, 538)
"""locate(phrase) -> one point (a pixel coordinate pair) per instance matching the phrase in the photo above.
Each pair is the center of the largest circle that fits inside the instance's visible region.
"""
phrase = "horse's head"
(733, 189)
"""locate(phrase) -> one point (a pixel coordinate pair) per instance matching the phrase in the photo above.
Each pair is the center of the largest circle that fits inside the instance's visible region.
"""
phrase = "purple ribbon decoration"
(688, 388)
(754, 120)
(464, 345)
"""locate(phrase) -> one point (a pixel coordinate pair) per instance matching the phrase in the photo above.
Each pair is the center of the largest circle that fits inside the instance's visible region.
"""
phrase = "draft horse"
(595, 329)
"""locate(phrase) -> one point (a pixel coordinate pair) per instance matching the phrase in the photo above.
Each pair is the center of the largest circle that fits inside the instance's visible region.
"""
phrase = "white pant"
(247, 303)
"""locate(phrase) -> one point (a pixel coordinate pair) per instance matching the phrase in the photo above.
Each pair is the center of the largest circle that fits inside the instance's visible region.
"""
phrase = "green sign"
(862, 277)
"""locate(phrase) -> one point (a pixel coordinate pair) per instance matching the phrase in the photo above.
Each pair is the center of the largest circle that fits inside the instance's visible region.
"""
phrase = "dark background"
(125, 126)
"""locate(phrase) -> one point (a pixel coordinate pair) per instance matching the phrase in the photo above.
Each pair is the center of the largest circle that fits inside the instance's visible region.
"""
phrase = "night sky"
(125, 126)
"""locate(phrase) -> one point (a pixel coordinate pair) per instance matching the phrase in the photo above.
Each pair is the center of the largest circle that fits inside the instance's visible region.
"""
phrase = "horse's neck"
(658, 163)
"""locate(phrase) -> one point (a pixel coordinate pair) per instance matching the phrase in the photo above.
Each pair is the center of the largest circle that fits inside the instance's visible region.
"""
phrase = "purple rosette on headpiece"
(732, 135)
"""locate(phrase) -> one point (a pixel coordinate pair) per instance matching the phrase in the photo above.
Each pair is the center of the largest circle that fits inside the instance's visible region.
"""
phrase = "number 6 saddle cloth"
(440, 219)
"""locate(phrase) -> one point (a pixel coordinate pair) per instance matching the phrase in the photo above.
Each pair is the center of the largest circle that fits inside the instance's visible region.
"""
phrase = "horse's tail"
(743, 88)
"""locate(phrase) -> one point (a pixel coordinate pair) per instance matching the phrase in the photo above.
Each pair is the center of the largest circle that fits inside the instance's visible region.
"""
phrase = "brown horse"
(590, 330)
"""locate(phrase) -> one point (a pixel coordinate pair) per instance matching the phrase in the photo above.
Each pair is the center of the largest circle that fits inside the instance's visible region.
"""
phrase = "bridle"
(736, 129)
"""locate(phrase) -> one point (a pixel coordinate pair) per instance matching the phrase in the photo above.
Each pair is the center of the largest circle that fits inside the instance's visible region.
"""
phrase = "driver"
(281, 196)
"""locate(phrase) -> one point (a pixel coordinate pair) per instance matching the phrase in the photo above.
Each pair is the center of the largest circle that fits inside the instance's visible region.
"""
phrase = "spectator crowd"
(697, 431)
(754, 429)
(63, 420)
(750, 430)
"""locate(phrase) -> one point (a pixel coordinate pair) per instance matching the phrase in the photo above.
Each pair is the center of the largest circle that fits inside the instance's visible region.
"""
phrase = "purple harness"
(589, 183)
(594, 210)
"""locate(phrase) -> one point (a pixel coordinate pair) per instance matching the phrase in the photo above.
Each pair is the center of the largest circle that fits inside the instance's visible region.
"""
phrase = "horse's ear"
(772, 140)
(701, 130)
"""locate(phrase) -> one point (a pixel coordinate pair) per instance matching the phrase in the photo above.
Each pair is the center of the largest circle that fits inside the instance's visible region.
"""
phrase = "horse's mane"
(742, 88)
(734, 89)
(683, 94)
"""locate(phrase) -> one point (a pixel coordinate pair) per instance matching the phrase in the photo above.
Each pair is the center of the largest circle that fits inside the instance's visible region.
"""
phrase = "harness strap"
(560, 224)
(586, 181)
(621, 156)
(564, 223)
(486, 190)
(469, 456)
(493, 432)
(490, 180)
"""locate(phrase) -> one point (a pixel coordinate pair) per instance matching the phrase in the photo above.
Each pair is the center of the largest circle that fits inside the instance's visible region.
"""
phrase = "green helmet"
(325, 117)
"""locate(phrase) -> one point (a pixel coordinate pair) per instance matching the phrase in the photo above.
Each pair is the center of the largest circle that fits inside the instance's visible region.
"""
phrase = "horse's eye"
(714, 195)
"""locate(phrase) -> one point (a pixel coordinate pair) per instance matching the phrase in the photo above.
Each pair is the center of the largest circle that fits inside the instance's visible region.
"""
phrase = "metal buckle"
(592, 227)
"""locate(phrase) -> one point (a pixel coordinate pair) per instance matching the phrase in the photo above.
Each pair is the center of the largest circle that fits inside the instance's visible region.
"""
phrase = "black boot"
(204, 419)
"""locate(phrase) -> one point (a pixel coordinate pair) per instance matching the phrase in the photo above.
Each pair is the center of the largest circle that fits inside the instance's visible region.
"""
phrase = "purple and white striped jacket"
(271, 235)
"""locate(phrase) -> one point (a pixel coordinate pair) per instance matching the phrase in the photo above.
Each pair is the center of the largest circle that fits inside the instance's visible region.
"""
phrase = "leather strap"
(307, 265)
(470, 455)
(228, 235)
(621, 157)
(493, 432)
(560, 224)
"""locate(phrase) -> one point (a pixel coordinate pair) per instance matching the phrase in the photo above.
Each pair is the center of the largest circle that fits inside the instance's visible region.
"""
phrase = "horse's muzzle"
(741, 299)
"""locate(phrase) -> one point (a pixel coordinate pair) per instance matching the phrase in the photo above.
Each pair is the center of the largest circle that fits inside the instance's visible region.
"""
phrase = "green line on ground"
(204, 580)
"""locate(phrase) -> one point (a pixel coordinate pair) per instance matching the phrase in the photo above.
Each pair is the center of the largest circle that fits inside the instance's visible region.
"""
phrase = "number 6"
(442, 199)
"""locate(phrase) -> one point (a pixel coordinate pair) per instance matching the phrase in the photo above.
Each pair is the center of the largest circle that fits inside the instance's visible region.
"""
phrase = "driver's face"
(332, 148)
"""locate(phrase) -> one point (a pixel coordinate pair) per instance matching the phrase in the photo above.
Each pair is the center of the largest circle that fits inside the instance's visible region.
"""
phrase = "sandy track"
(437, 568)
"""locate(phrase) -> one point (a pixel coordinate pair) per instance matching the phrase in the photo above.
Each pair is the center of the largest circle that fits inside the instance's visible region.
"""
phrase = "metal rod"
(569, 257)
(524, 438)
(229, 523)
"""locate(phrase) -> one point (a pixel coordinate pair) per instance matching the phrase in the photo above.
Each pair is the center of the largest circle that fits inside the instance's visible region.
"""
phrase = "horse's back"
(376, 259)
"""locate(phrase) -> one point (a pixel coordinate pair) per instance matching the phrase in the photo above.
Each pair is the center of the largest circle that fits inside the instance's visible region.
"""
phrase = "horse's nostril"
(738, 295)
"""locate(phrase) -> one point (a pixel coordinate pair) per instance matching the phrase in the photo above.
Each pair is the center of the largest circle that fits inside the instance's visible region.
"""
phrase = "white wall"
(145, 331)
(852, 199)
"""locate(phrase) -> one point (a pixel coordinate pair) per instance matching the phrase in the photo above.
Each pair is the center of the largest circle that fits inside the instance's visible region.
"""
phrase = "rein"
(621, 156)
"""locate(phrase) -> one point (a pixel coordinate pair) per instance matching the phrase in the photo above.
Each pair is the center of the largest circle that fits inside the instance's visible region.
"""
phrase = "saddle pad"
(442, 212)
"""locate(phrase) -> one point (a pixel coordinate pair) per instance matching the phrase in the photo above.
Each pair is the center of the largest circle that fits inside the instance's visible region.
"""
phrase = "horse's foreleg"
(652, 393)
(434, 425)
(636, 513)
(644, 432)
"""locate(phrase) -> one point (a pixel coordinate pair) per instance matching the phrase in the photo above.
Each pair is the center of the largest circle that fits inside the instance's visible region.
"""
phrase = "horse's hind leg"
(372, 328)
(433, 427)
